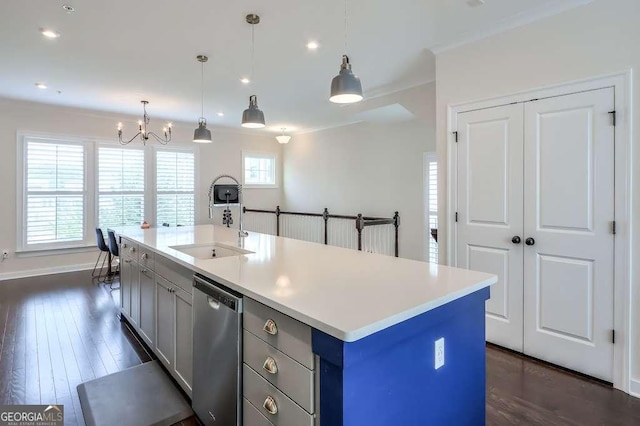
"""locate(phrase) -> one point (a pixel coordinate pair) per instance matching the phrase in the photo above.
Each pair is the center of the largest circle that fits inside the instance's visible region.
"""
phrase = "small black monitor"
(225, 194)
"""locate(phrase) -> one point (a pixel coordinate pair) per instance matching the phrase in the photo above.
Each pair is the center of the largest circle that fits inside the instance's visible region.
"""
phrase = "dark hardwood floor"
(59, 331)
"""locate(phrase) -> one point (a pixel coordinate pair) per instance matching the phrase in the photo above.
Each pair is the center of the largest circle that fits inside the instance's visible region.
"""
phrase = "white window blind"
(175, 186)
(431, 177)
(259, 169)
(54, 213)
(121, 182)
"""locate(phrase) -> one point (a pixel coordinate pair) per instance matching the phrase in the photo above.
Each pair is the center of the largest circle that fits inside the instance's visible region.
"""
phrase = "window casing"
(121, 185)
(54, 193)
(67, 186)
(175, 187)
(259, 170)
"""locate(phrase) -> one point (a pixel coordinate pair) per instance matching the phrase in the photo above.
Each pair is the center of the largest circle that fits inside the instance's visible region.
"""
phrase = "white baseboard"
(45, 271)
(634, 388)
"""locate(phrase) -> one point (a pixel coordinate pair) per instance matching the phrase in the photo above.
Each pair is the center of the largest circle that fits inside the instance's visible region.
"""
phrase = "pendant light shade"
(282, 139)
(202, 134)
(346, 87)
(253, 117)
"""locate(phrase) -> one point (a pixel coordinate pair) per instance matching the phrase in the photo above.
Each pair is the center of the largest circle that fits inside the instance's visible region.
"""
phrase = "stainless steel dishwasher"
(217, 345)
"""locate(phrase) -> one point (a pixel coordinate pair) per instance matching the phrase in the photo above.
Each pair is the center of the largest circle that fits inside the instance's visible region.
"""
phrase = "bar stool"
(115, 253)
(102, 246)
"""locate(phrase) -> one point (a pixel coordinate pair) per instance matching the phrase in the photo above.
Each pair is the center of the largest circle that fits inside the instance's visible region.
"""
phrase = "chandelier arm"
(162, 141)
(122, 142)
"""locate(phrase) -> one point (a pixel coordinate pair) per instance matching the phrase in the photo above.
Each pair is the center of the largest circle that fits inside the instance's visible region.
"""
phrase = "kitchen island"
(391, 341)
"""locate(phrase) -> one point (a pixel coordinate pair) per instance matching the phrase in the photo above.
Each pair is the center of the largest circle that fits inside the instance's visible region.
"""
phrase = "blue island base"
(389, 378)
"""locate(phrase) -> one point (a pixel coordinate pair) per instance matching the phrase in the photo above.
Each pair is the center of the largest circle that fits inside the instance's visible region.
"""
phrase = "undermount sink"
(210, 251)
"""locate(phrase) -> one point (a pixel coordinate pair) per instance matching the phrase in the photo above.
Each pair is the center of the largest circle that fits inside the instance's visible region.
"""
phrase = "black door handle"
(529, 241)
(516, 240)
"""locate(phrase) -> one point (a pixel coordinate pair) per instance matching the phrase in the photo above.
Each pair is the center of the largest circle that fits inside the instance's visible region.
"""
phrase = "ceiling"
(111, 54)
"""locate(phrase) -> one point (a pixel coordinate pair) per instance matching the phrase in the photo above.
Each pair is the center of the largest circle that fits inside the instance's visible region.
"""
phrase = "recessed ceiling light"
(245, 80)
(221, 114)
(68, 8)
(49, 33)
(41, 85)
(312, 45)
(475, 3)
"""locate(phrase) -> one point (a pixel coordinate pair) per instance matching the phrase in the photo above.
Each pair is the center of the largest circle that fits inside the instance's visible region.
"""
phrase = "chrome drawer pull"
(127, 261)
(270, 405)
(270, 327)
(124, 245)
(270, 366)
(132, 249)
(145, 256)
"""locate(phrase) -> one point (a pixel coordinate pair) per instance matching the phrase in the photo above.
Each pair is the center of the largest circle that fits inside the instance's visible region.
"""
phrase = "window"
(71, 186)
(120, 187)
(175, 178)
(431, 208)
(259, 170)
(54, 199)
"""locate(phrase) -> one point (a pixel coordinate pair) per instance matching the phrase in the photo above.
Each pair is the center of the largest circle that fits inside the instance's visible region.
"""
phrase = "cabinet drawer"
(128, 248)
(251, 416)
(146, 258)
(257, 390)
(178, 275)
(291, 377)
(289, 336)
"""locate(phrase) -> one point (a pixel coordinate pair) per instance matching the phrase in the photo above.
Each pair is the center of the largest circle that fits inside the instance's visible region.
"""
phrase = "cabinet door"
(165, 321)
(183, 366)
(147, 321)
(126, 265)
(135, 293)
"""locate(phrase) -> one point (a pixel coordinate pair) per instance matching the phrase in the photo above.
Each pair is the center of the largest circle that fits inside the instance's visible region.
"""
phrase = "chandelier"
(143, 132)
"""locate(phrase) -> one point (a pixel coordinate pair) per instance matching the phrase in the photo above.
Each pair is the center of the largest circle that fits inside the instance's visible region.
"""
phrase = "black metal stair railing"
(361, 222)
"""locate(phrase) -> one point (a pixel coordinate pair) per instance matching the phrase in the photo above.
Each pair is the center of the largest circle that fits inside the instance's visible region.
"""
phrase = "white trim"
(509, 23)
(45, 271)
(622, 84)
(261, 154)
(634, 388)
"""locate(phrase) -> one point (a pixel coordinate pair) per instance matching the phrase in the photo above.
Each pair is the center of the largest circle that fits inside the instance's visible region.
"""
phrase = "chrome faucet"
(241, 233)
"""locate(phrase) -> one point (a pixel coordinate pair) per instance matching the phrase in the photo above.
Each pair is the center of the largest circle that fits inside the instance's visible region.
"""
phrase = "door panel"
(490, 155)
(569, 206)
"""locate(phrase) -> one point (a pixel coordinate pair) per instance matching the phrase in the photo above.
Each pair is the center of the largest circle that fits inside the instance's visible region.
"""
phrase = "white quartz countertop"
(345, 293)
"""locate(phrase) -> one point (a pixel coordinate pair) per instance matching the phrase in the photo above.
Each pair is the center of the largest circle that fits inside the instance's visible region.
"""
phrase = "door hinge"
(613, 227)
(456, 216)
(455, 135)
(613, 116)
(613, 336)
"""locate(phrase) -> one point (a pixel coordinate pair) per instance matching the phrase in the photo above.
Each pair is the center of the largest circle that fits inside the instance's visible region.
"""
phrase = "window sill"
(22, 253)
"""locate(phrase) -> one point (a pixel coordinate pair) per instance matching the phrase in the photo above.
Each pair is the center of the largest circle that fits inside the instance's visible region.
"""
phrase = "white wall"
(596, 39)
(222, 156)
(373, 169)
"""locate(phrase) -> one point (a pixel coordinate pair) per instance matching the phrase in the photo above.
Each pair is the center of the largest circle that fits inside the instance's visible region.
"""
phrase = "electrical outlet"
(439, 353)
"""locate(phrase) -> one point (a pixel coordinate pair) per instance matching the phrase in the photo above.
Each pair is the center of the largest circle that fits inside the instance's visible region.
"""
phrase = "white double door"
(536, 207)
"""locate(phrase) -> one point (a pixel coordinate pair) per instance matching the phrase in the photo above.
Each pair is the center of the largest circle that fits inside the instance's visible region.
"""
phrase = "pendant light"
(202, 134)
(345, 87)
(282, 139)
(253, 117)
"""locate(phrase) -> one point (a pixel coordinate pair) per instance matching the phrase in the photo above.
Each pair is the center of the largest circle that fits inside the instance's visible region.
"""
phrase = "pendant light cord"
(253, 48)
(345, 27)
(202, 90)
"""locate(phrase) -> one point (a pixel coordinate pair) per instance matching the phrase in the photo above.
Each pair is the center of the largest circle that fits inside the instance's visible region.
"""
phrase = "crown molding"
(507, 24)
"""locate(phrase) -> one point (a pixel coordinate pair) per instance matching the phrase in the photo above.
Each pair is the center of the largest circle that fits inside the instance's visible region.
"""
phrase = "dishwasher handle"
(217, 294)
